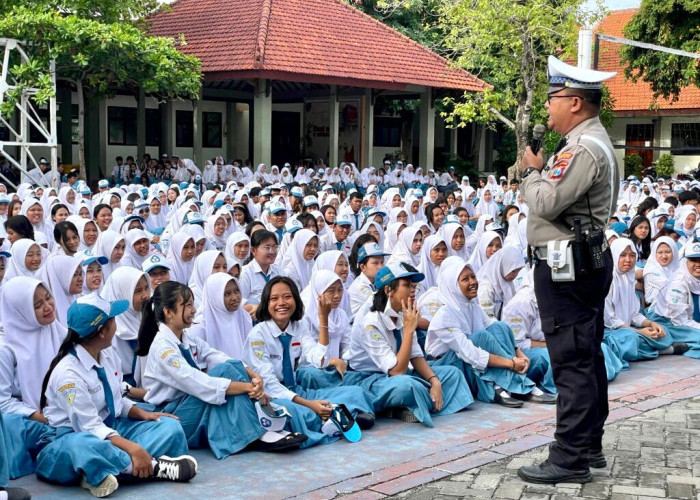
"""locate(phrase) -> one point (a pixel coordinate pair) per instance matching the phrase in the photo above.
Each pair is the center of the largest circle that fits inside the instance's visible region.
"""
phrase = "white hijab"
(338, 322)
(294, 257)
(402, 249)
(328, 260)
(426, 266)
(16, 265)
(229, 251)
(120, 286)
(223, 330)
(34, 345)
(179, 269)
(58, 274)
(478, 258)
(131, 258)
(499, 265)
(203, 265)
(104, 245)
(217, 242)
(622, 288)
(448, 231)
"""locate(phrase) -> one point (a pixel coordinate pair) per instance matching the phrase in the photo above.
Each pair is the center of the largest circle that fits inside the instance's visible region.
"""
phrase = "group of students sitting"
(160, 320)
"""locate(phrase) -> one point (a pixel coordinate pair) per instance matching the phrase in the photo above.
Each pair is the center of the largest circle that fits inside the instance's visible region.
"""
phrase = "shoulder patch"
(558, 170)
(174, 361)
(374, 332)
(564, 156)
(258, 343)
(68, 392)
(167, 353)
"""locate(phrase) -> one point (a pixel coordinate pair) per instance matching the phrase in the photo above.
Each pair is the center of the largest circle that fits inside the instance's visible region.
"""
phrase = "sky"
(617, 4)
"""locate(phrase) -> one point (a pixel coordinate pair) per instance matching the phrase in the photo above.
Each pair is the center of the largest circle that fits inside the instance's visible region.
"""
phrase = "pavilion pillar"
(426, 144)
(65, 108)
(334, 124)
(197, 131)
(140, 125)
(262, 122)
(367, 158)
(230, 131)
(166, 128)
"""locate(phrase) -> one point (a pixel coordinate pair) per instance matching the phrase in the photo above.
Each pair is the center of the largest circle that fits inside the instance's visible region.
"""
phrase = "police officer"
(580, 181)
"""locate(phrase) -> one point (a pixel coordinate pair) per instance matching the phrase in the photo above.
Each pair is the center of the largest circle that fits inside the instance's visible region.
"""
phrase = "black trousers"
(572, 321)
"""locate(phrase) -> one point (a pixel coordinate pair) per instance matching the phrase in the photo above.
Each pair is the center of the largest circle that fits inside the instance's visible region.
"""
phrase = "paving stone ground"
(655, 454)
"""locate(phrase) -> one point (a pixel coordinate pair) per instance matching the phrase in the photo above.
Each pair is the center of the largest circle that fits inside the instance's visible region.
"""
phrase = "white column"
(367, 158)
(334, 125)
(262, 123)
(426, 145)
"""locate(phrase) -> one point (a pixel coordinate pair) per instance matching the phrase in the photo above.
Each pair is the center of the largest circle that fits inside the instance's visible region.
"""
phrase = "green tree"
(666, 166)
(671, 23)
(96, 52)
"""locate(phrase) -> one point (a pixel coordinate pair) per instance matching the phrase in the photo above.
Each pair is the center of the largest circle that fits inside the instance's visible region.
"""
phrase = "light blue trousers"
(226, 428)
(23, 440)
(305, 421)
(4, 456)
(72, 456)
(690, 336)
(413, 392)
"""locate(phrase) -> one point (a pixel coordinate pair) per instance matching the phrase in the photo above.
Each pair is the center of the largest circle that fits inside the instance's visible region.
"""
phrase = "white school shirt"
(357, 222)
(263, 352)
(489, 300)
(168, 376)
(316, 354)
(373, 346)
(429, 303)
(510, 197)
(329, 241)
(444, 180)
(10, 392)
(678, 305)
(75, 396)
(522, 315)
(252, 280)
(440, 341)
(359, 291)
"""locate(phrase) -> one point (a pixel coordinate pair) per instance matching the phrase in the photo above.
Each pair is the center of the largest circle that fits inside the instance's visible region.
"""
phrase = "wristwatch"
(527, 172)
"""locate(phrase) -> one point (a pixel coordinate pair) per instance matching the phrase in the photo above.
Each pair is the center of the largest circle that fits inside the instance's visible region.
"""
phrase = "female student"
(208, 263)
(407, 248)
(273, 349)
(384, 343)
(659, 269)
(112, 245)
(261, 268)
(370, 259)
(237, 248)
(65, 277)
(489, 243)
(336, 261)
(453, 232)
(26, 259)
(433, 253)
(209, 392)
(485, 351)
(137, 247)
(299, 259)
(224, 324)
(181, 257)
(66, 236)
(101, 434)
(127, 283)
(496, 278)
(32, 336)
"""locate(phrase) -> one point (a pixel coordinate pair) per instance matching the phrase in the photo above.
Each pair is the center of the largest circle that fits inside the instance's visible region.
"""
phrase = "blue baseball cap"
(265, 192)
(343, 220)
(371, 212)
(451, 219)
(310, 200)
(103, 183)
(194, 218)
(394, 271)
(297, 192)
(87, 258)
(154, 261)
(370, 250)
(4, 198)
(692, 251)
(133, 216)
(292, 226)
(5, 254)
(275, 206)
(619, 227)
(219, 203)
(91, 311)
(341, 423)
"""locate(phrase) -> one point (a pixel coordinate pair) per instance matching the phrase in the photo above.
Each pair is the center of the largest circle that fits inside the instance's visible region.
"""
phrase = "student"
(336, 261)
(407, 248)
(92, 270)
(273, 348)
(157, 269)
(209, 392)
(206, 264)
(260, 269)
(679, 312)
(127, 283)
(383, 343)
(299, 258)
(237, 249)
(659, 269)
(181, 255)
(325, 342)
(32, 336)
(489, 243)
(137, 247)
(101, 434)
(337, 238)
(370, 259)
(66, 236)
(224, 324)
(26, 259)
(433, 253)
(496, 280)
(112, 245)
(65, 278)
(18, 227)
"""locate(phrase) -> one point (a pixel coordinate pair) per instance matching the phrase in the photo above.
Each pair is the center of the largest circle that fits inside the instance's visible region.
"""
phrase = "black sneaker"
(16, 493)
(365, 420)
(287, 441)
(680, 348)
(549, 473)
(502, 398)
(179, 469)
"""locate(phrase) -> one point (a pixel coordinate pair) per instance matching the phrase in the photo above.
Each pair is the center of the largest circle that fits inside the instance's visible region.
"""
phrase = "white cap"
(562, 75)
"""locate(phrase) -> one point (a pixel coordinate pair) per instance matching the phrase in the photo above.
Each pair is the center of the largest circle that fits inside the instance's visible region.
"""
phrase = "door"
(286, 137)
(640, 135)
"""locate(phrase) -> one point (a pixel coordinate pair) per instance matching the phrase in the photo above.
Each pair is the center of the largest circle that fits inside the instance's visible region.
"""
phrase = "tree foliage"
(666, 166)
(671, 23)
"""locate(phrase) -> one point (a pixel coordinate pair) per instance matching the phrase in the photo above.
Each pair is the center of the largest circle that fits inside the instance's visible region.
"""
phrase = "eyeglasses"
(550, 97)
(269, 249)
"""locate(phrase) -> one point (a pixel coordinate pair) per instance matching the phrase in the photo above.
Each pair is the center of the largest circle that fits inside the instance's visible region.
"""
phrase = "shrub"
(633, 165)
(666, 166)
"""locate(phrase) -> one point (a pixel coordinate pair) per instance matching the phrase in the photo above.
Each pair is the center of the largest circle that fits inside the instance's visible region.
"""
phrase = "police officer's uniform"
(577, 174)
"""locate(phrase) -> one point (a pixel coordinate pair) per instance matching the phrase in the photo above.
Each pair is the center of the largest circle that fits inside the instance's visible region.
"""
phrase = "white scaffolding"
(25, 115)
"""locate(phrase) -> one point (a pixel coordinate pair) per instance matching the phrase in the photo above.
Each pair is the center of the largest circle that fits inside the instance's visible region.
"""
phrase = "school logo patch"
(68, 393)
(258, 353)
(174, 362)
(265, 422)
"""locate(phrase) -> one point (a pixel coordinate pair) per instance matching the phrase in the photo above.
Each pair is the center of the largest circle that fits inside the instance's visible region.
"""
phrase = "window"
(387, 132)
(34, 134)
(73, 122)
(184, 129)
(121, 126)
(4, 133)
(153, 124)
(211, 130)
(685, 138)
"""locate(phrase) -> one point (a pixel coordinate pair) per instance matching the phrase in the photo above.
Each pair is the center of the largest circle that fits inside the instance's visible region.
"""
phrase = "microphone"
(537, 134)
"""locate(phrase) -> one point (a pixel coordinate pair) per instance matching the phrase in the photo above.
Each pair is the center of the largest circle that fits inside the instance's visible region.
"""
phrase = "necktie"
(357, 222)
(287, 368)
(399, 338)
(109, 397)
(339, 245)
(188, 356)
(280, 233)
(696, 307)
(265, 276)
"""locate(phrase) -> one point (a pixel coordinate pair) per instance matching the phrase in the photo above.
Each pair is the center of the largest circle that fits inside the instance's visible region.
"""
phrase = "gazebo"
(262, 52)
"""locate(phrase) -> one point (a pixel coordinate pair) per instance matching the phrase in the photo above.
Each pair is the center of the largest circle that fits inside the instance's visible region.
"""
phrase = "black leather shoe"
(596, 459)
(680, 348)
(364, 420)
(504, 399)
(549, 473)
(544, 399)
(16, 493)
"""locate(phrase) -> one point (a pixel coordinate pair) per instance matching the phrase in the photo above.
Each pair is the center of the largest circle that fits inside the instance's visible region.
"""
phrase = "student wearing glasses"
(260, 269)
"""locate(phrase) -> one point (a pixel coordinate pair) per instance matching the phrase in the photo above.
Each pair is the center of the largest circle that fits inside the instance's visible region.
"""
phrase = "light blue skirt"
(686, 334)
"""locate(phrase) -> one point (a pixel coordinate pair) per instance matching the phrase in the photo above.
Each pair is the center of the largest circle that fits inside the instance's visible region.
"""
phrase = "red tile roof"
(317, 41)
(635, 96)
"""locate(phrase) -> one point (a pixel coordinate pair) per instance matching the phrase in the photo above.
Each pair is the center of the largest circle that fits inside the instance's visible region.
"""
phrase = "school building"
(283, 80)
(643, 126)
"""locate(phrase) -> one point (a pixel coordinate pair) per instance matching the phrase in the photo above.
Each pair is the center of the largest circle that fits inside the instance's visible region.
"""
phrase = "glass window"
(211, 130)
(387, 132)
(121, 126)
(685, 138)
(153, 124)
(184, 129)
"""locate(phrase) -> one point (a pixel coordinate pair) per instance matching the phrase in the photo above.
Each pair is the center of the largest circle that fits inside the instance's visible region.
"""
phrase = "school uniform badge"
(68, 393)
(174, 361)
